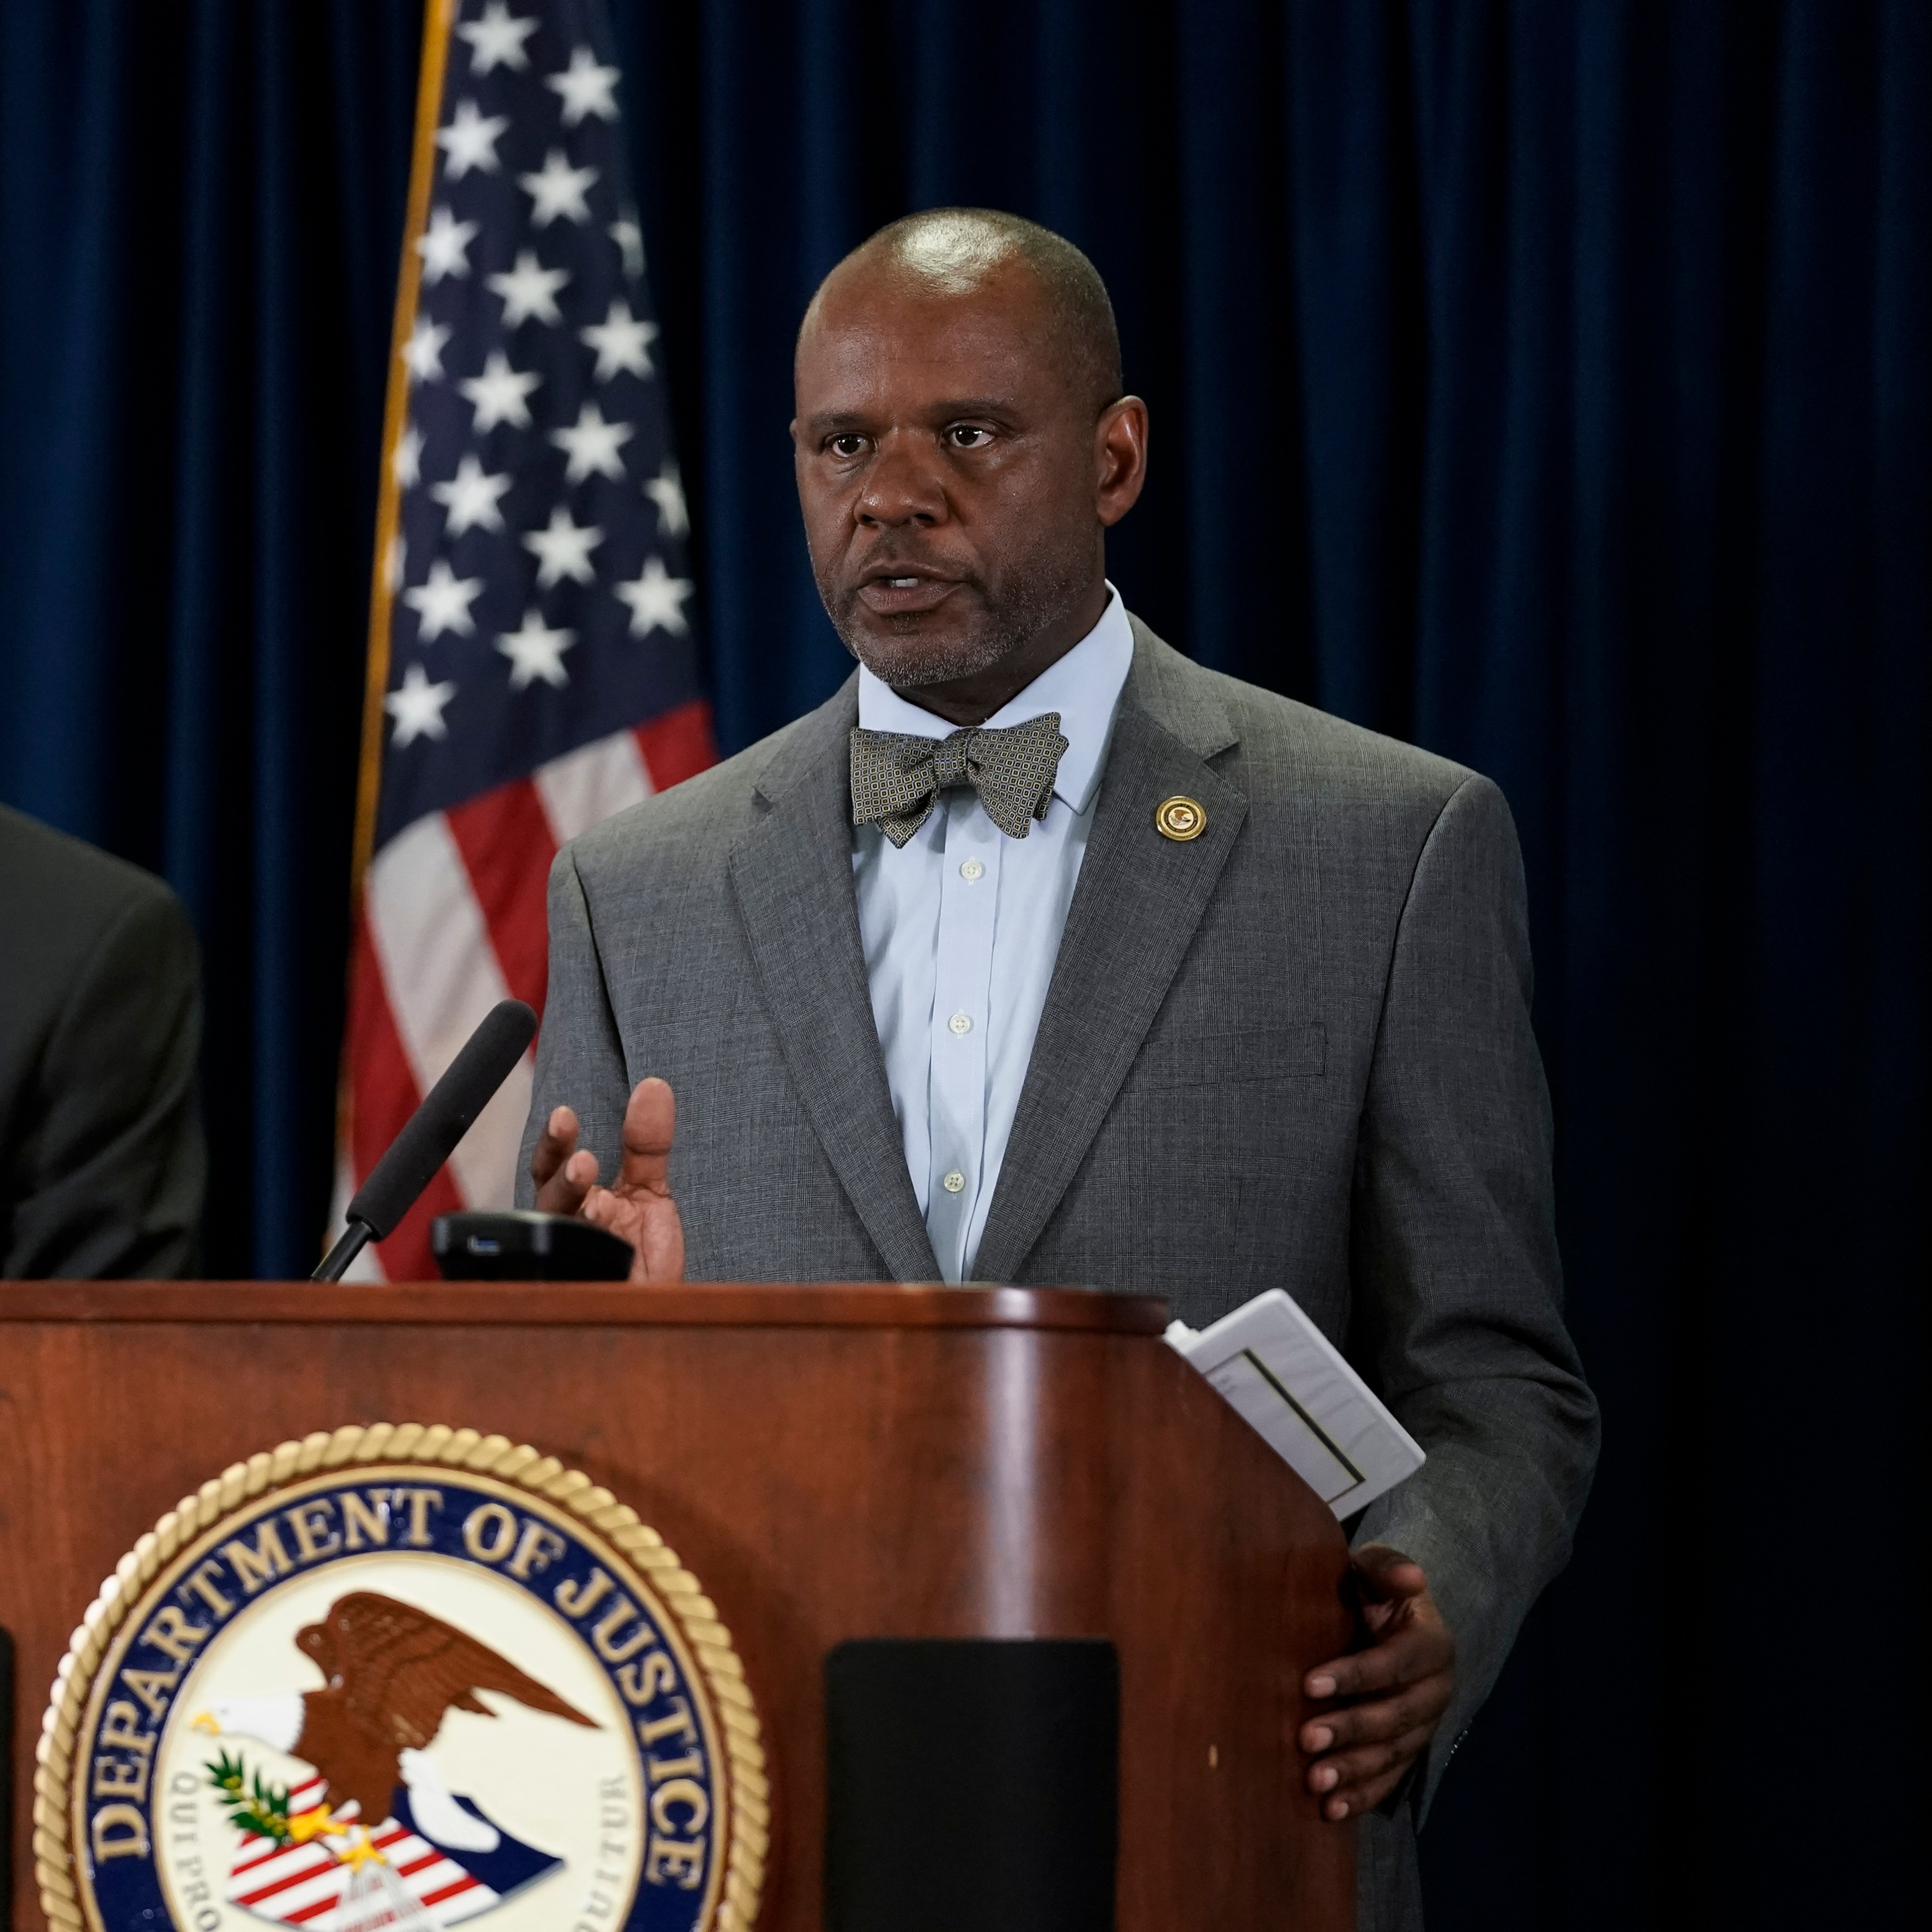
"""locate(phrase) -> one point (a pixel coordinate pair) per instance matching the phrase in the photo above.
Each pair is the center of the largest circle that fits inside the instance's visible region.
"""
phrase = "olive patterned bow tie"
(896, 776)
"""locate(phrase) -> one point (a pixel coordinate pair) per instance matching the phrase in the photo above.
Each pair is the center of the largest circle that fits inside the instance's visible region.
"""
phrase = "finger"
(555, 1144)
(1360, 1780)
(565, 1191)
(650, 1123)
(603, 1208)
(1384, 1573)
(1379, 1719)
(1404, 1655)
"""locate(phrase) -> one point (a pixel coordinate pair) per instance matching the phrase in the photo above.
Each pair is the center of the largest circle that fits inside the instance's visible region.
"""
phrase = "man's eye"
(848, 445)
(968, 435)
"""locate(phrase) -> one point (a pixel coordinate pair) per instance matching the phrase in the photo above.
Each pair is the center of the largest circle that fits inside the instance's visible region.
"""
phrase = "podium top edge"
(492, 1304)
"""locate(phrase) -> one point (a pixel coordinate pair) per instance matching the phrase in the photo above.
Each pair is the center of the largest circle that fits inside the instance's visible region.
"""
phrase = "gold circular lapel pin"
(1179, 819)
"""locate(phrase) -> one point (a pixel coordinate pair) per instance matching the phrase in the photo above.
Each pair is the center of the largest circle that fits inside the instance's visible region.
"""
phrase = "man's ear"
(1120, 458)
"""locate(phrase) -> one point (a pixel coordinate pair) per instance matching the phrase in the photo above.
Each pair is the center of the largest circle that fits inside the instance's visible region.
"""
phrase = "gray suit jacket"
(1295, 1052)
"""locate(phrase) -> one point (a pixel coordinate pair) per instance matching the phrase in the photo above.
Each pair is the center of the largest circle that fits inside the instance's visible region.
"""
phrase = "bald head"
(961, 252)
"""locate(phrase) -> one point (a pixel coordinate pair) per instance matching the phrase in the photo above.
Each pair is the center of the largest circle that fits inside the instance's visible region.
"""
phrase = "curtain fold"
(1548, 385)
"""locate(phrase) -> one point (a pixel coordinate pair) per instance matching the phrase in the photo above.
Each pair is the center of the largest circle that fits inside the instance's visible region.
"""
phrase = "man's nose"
(900, 489)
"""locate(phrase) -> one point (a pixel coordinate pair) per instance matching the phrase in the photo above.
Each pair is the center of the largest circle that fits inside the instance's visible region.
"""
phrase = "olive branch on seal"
(261, 1809)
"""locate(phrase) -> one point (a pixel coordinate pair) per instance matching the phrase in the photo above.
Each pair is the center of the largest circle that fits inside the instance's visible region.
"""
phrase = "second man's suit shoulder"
(70, 904)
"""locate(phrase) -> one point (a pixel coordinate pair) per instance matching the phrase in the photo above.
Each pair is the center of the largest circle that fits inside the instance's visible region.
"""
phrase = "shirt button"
(971, 870)
(953, 1182)
(961, 1023)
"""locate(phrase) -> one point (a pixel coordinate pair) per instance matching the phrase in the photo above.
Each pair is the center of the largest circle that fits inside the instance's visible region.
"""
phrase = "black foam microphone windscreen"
(444, 1118)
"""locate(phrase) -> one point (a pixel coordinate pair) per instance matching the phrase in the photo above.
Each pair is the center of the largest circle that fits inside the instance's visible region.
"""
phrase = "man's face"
(947, 472)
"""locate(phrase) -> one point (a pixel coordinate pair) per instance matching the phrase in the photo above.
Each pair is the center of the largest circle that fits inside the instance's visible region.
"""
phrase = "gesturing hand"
(1400, 1687)
(638, 1206)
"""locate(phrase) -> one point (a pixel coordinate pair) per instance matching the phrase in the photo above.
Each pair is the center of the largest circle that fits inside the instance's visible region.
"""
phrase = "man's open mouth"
(904, 593)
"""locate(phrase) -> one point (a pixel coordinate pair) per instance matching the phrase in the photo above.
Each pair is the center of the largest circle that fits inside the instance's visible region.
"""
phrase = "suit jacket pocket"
(1235, 1055)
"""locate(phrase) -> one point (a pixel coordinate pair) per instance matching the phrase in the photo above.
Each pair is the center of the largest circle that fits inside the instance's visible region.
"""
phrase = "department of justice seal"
(401, 1677)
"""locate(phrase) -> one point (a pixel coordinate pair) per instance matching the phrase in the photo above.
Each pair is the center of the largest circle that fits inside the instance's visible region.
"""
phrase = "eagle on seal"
(392, 1673)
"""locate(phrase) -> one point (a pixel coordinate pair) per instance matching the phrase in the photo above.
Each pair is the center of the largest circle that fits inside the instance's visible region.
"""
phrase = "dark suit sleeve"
(108, 1171)
(579, 1061)
(1458, 1300)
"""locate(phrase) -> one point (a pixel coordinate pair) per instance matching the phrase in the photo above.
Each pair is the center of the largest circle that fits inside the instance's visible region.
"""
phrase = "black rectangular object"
(518, 1244)
(972, 1785)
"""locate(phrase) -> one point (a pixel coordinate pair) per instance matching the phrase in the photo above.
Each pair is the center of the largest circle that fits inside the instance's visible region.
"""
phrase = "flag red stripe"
(677, 745)
(305, 1913)
(383, 1090)
(506, 842)
(465, 1883)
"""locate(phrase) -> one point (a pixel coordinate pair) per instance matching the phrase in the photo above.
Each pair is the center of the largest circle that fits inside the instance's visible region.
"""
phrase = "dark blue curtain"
(1546, 384)
(200, 212)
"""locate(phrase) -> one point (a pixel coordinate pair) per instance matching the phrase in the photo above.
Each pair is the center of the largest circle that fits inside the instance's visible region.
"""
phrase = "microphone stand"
(350, 1243)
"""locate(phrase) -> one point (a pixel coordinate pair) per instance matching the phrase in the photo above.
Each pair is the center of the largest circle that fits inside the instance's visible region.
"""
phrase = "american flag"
(531, 661)
(415, 1884)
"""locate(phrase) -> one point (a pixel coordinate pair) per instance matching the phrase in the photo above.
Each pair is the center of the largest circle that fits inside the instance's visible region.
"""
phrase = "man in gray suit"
(1040, 954)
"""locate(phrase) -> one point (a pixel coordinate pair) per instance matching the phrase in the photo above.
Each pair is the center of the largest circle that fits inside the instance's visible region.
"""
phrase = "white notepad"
(1283, 1375)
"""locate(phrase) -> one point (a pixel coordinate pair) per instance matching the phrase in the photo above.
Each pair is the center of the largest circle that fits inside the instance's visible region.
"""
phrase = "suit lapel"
(1140, 897)
(792, 876)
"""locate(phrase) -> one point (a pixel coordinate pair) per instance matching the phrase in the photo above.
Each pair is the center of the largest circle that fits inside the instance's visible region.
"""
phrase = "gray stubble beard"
(1011, 623)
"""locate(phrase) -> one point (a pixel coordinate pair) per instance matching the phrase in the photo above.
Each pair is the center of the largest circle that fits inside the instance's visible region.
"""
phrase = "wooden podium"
(832, 1462)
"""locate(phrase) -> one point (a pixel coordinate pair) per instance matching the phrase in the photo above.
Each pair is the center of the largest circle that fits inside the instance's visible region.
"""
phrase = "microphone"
(433, 1130)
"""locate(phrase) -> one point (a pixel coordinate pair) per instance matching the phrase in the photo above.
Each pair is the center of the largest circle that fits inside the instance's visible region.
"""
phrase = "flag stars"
(587, 88)
(563, 549)
(471, 498)
(497, 40)
(445, 246)
(416, 706)
(470, 141)
(559, 189)
(528, 289)
(656, 599)
(443, 603)
(591, 444)
(423, 351)
(666, 490)
(535, 652)
(500, 394)
(621, 342)
(406, 461)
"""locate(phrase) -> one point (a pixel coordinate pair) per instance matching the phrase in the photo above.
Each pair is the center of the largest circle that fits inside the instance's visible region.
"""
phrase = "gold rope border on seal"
(439, 1445)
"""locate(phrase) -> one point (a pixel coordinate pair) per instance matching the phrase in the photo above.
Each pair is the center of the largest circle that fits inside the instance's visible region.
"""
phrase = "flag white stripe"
(441, 975)
(367, 1266)
(583, 787)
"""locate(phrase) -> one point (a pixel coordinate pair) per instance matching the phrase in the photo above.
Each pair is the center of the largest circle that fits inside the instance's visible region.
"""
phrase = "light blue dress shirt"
(962, 926)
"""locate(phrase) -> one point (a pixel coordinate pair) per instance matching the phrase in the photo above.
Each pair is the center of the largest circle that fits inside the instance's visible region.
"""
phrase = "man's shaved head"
(954, 251)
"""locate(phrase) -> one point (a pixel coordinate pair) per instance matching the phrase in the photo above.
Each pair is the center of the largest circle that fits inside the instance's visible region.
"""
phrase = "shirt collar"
(1084, 687)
